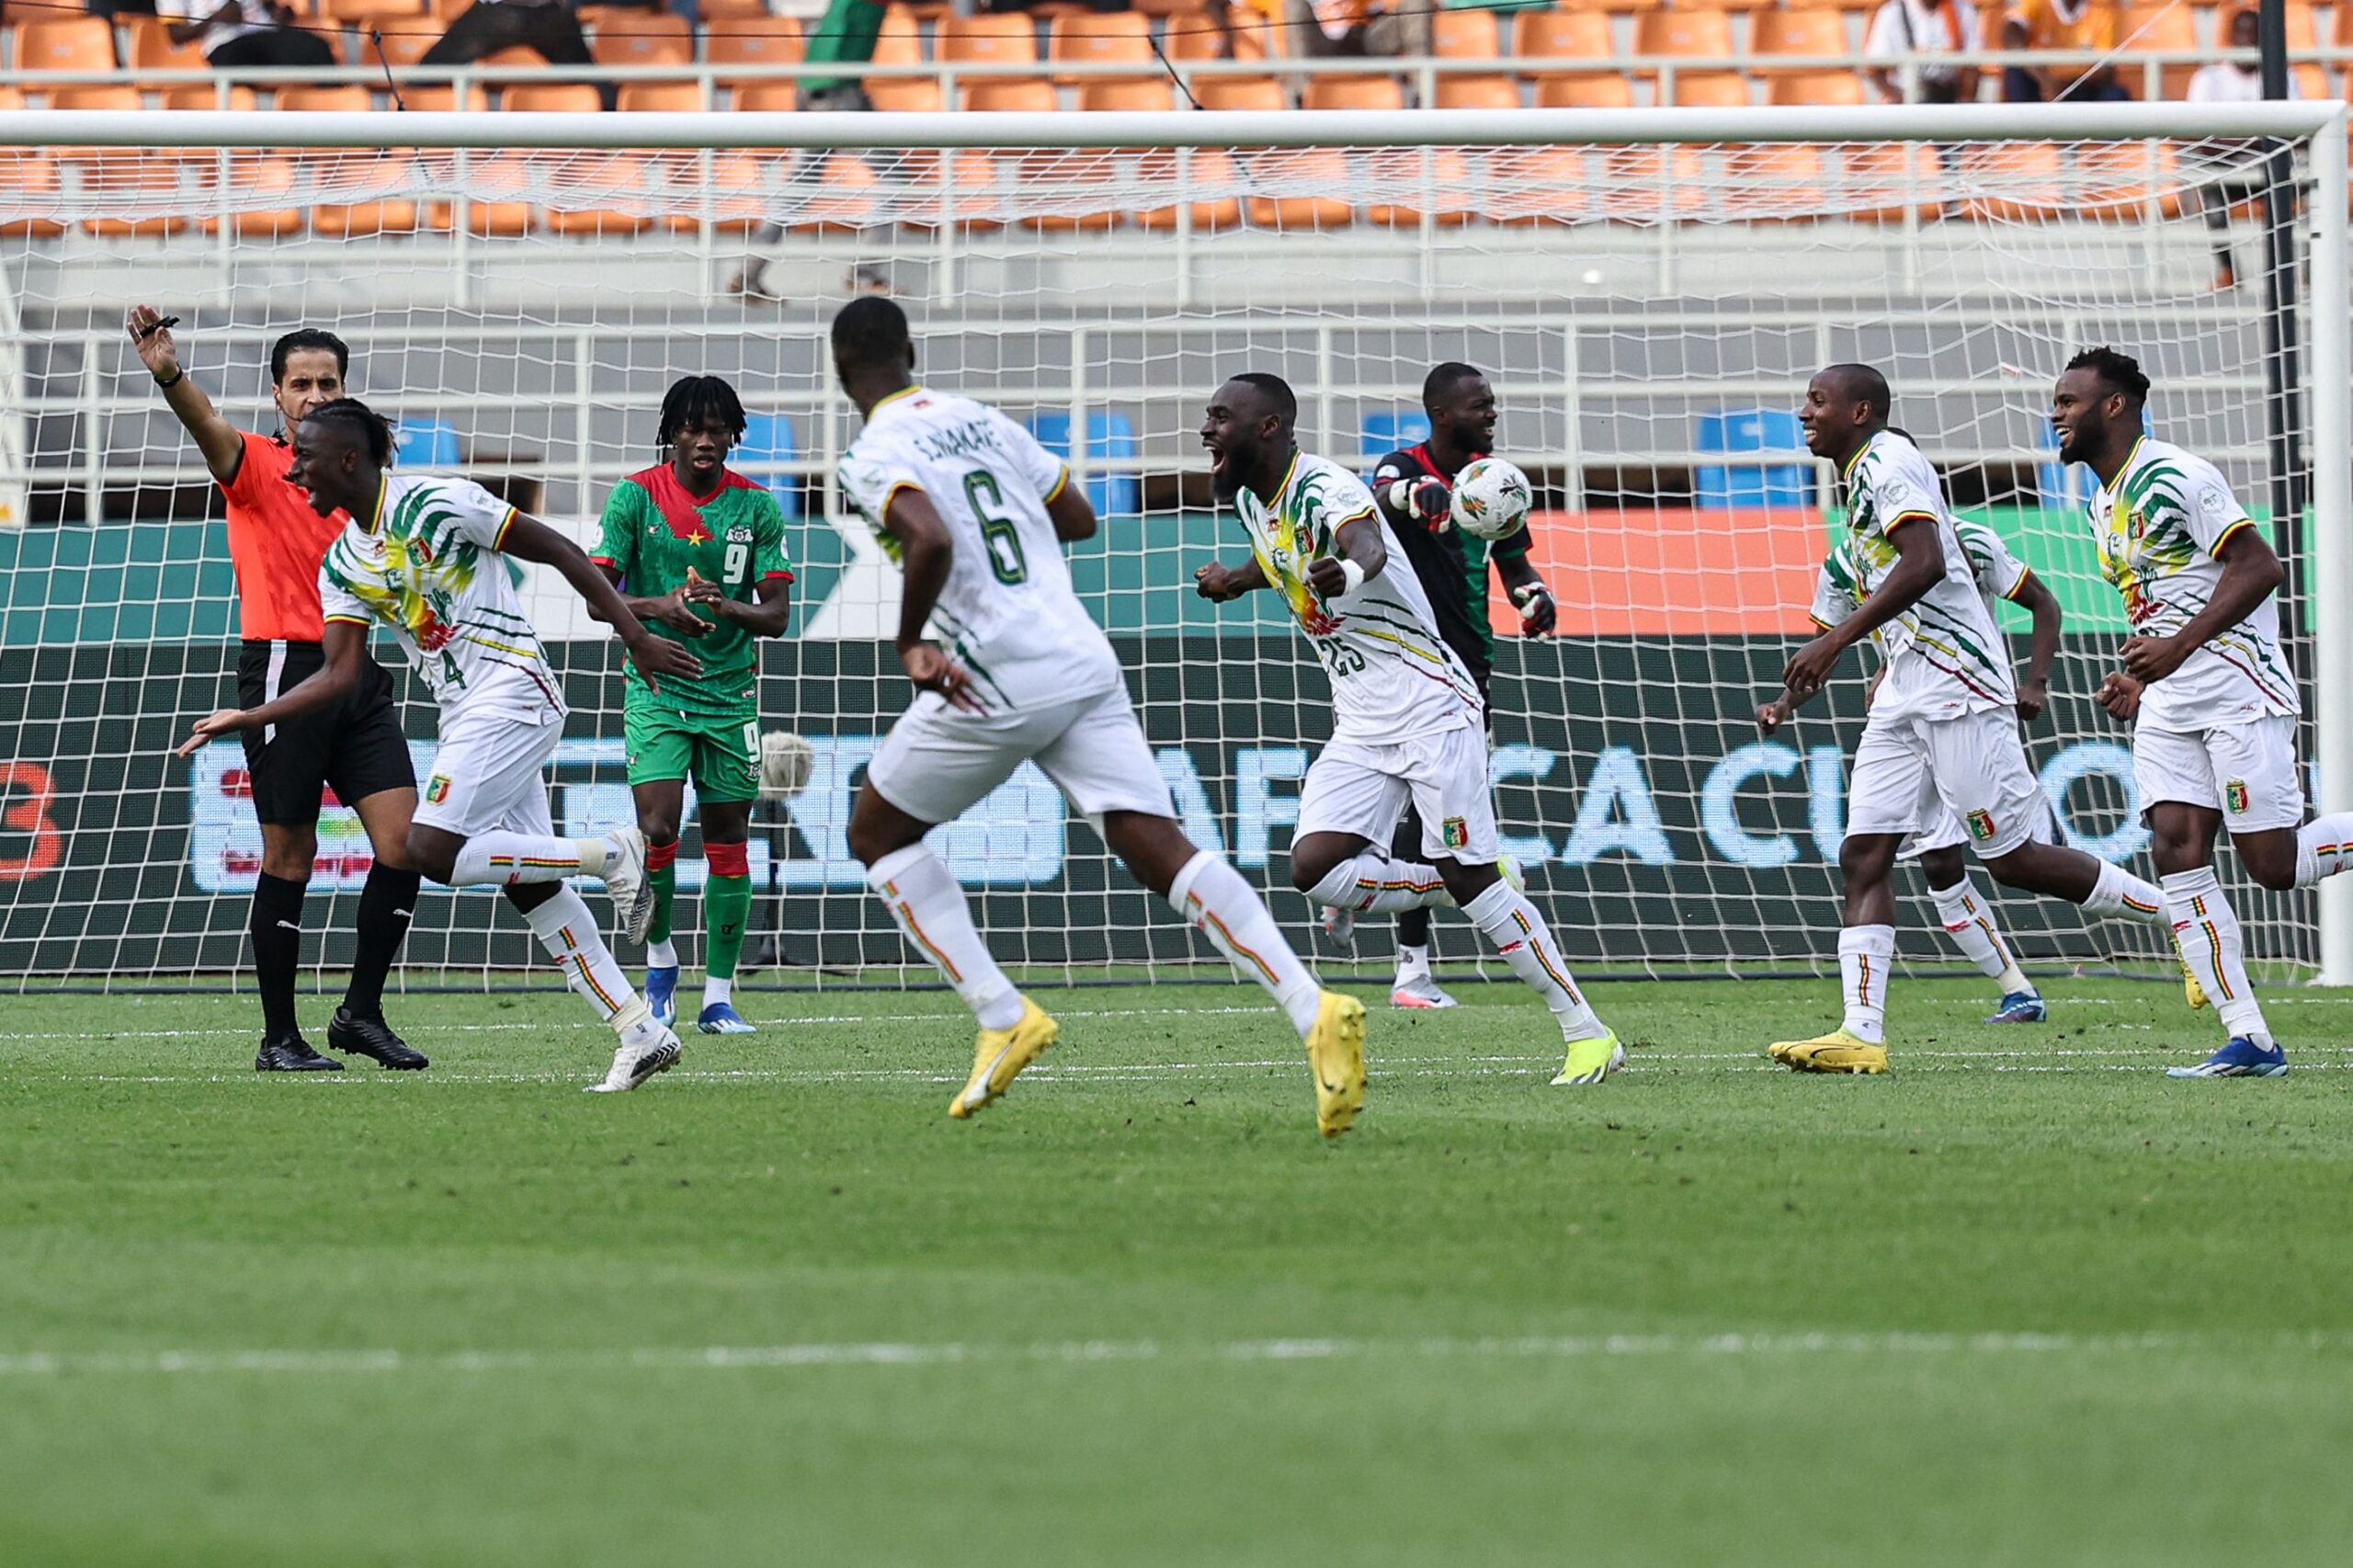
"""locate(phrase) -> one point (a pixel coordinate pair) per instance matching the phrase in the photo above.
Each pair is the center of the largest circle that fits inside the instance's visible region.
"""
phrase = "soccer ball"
(1491, 499)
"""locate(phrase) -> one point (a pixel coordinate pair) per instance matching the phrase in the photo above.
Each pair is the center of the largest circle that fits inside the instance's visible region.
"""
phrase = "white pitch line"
(1093, 1352)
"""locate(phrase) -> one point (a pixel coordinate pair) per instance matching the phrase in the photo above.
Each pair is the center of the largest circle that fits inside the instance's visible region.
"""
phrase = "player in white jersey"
(976, 513)
(1967, 917)
(1943, 727)
(424, 556)
(1406, 717)
(2213, 701)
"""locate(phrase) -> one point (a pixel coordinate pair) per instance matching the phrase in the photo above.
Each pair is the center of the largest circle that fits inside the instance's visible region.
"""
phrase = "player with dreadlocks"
(698, 550)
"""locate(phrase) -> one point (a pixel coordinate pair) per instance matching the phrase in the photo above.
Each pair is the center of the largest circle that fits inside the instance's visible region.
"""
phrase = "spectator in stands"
(1326, 28)
(2084, 26)
(1929, 32)
(845, 35)
(551, 28)
(245, 32)
(2238, 174)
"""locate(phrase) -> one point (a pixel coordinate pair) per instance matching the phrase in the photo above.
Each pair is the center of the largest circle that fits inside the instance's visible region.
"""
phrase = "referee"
(357, 748)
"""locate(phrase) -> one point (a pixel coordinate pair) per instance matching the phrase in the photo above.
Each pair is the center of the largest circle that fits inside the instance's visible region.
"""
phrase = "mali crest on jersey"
(1293, 544)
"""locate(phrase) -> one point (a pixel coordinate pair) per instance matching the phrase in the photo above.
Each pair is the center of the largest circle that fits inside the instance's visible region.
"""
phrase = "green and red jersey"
(653, 531)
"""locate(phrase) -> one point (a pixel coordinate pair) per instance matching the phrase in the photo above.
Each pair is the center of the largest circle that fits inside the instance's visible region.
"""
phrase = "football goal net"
(1647, 291)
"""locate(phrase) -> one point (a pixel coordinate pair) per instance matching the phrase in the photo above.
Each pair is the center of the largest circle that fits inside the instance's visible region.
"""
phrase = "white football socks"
(569, 933)
(715, 991)
(1970, 922)
(922, 896)
(2208, 933)
(2324, 848)
(1211, 896)
(1413, 963)
(1866, 960)
(1518, 931)
(2119, 892)
(662, 955)
(503, 860)
(1375, 884)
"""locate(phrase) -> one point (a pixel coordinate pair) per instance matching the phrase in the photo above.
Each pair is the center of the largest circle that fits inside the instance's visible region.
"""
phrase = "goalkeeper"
(1415, 489)
(698, 550)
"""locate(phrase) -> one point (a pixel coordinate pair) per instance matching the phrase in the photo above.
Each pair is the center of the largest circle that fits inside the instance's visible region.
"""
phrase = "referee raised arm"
(276, 542)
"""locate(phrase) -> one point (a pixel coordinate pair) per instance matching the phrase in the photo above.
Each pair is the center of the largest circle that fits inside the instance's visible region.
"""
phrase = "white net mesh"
(1648, 313)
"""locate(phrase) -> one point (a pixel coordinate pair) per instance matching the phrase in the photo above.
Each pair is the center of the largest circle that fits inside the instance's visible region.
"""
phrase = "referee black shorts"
(355, 748)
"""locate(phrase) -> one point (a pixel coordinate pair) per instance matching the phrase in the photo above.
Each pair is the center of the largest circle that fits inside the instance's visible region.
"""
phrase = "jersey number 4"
(997, 532)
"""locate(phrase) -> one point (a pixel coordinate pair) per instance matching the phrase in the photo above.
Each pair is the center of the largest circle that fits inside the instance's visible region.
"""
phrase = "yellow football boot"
(1592, 1060)
(1335, 1059)
(1836, 1051)
(999, 1054)
(2191, 992)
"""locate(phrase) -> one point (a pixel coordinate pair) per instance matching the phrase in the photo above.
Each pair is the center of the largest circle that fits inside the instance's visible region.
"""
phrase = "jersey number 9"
(739, 556)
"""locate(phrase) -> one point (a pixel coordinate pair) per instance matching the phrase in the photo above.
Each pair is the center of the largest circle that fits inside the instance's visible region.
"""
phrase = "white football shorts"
(1361, 788)
(1908, 771)
(490, 772)
(939, 762)
(2246, 770)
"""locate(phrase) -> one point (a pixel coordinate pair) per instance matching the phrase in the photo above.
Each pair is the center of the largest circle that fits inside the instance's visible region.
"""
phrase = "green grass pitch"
(2023, 1301)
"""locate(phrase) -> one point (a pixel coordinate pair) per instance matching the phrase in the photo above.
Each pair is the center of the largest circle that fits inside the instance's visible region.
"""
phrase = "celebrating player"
(976, 513)
(2213, 702)
(355, 748)
(1968, 919)
(424, 556)
(1407, 715)
(1415, 489)
(700, 550)
(1943, 727)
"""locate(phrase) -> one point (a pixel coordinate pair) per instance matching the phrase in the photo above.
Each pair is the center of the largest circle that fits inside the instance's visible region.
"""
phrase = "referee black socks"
(277, 931)
(387, 905)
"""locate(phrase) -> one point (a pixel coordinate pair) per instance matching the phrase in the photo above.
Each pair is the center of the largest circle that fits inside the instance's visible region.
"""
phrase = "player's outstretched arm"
(527, 538)
(925, 554)
(1218, 582)
(2251, 574)
(2039, 601)
(1919, 563)
(1537, 614)
(223, 447)
(343, 651)
(1072, 513)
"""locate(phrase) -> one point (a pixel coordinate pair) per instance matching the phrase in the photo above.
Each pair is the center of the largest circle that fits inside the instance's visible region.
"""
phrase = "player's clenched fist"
(929, 668)
(2119, 694)
(656, 657)
(1219, 583)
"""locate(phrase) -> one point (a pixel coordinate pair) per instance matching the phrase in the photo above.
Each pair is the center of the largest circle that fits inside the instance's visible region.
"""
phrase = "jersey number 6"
(997, 532)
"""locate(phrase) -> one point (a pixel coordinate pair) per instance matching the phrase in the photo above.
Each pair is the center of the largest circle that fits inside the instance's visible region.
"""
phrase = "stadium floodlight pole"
(2331, 578)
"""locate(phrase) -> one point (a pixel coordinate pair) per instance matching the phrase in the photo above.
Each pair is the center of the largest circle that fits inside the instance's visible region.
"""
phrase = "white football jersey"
(1944, 654)
(1394, 678)
(426, 564)
(1008, 610)
(1998, 573)
(2160, 531)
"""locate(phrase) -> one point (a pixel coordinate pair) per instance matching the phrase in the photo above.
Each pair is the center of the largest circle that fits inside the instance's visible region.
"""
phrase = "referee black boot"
(372, 1037)
(292, 1054)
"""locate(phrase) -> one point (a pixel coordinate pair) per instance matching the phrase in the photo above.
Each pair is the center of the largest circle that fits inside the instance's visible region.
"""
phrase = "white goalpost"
(1647, 289)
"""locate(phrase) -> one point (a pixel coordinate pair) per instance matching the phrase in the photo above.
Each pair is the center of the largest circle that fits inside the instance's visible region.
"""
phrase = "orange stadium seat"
(442, 98)
(1541, 36)
(361, 12)
(617, 172)
(710, 11)
(2125, 177)
(1317, 169)
(661, 97)
(987, 40)
(2032, 176)
(404, 39)
(1779, 181)
(1200, 35)
(1466, 35)
(383, 215)
(767, 97)
(550, 98)
(104, 100)
(1208, 166)
(1684, 35)
(735, 43)
(960, 189)
(252, 174)
(515, 59)
(1262, 93)
(1810, 30)
(1024, 95)
(1710, 89)
(1112, 38)
(26, 179)
(152, 48)
(900, 41)
(207, 95)
(2159, 29)
(1886, 180)
(325, 101)
(1831, 88)
(1585, 89)
(1648, 184)
(1132, 95)
(64, 43)
(1721, 4)
(837, 195)
(1612, 7)
(904, 95)
(153, 182)
(644, 38)
(1402, 172)
(1382, 93)
(495, 187)
(1478, 91)
(1539, 184)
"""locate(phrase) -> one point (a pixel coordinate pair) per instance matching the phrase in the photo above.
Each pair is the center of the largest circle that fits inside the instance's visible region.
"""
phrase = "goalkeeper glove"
(1427, 501)
(1537, 613)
